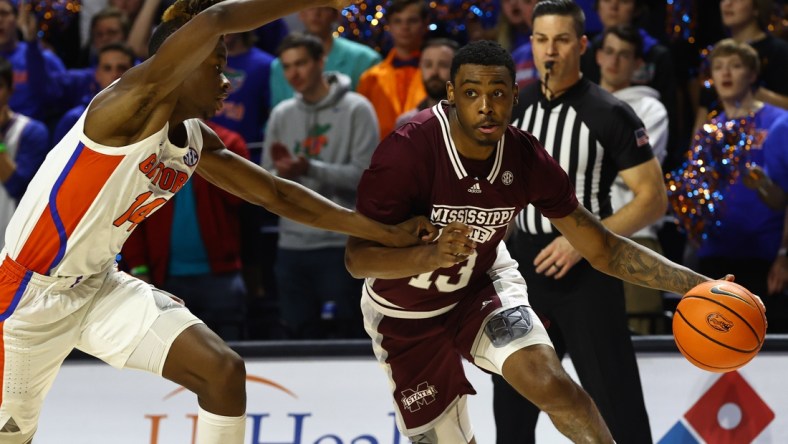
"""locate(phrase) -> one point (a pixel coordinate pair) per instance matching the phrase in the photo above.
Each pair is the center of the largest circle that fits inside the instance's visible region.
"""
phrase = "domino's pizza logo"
(191, 158)
(730, 412)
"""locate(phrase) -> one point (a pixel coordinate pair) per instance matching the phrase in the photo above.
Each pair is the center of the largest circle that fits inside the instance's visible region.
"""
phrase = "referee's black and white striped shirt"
(591, 134)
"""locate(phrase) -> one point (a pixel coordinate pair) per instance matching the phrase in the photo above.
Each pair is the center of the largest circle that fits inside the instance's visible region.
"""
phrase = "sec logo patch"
(507, 178)
(191, 158)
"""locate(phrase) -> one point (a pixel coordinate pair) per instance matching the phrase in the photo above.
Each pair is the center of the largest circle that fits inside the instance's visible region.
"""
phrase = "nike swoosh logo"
(717, 289)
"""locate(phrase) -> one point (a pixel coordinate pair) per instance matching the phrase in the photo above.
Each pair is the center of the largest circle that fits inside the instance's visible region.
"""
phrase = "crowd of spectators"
(312, 107)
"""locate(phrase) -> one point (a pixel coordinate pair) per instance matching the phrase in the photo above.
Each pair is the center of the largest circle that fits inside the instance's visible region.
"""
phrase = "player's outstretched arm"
(141, 89)
(190, 45)
(365, 259)
(622, 258)
(252, 183)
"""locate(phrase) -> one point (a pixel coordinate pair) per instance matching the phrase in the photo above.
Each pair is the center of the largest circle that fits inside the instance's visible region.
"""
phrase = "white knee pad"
(151, 353)
(453, 427)
(506, 332)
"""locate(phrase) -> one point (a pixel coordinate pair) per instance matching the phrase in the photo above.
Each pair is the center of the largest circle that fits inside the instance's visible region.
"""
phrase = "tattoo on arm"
(629, 261)
(584, 219)
(641, 266)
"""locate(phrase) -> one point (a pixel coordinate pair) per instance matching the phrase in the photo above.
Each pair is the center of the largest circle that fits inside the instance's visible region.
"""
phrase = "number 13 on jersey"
(425, 280)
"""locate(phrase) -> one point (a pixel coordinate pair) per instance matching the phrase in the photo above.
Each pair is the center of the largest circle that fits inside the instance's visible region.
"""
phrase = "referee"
(595, 137)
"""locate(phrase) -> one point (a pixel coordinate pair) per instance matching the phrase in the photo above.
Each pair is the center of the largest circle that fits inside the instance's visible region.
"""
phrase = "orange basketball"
(719, 326)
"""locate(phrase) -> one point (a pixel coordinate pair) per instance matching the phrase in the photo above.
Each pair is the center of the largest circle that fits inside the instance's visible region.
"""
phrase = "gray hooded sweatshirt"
(337, 135)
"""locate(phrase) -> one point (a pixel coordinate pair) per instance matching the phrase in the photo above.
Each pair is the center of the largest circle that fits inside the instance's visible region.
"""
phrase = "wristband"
(3, 148)
(139, 270)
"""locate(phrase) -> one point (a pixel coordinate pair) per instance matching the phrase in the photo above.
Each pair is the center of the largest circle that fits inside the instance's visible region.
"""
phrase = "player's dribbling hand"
(453, 245)
(731, 278)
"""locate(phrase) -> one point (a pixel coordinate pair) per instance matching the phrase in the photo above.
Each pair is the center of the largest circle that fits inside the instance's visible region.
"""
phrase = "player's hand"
(415, 231)
(731, 278)
(778, 275)
(453, 245)
(421, 227)
(556, 259)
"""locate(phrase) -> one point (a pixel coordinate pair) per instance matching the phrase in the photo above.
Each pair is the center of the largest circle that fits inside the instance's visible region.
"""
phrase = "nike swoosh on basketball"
(717, 289)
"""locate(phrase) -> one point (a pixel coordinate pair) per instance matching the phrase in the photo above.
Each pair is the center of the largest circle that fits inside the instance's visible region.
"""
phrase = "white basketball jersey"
(86, 199)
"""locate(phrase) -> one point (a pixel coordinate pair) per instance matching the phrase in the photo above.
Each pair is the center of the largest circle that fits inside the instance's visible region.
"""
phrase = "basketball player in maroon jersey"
(461, 164)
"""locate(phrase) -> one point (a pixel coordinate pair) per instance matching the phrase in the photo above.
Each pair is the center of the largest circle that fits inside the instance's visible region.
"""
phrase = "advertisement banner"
(347, 401)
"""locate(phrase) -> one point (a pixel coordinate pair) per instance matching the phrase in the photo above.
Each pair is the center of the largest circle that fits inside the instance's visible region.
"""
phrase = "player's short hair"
(485, 53)
(565, 8)
(627, 33)
(398, 6)
(177, 15)
(6, 72)
(729, 47)
(312, 44)
(441, 41)
(119, 47)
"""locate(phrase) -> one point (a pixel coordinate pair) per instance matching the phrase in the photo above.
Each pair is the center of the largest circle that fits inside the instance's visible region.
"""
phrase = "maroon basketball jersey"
(417, 170)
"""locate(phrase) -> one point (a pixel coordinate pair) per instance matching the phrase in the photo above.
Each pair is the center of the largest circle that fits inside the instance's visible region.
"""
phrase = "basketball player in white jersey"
(133, 148)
